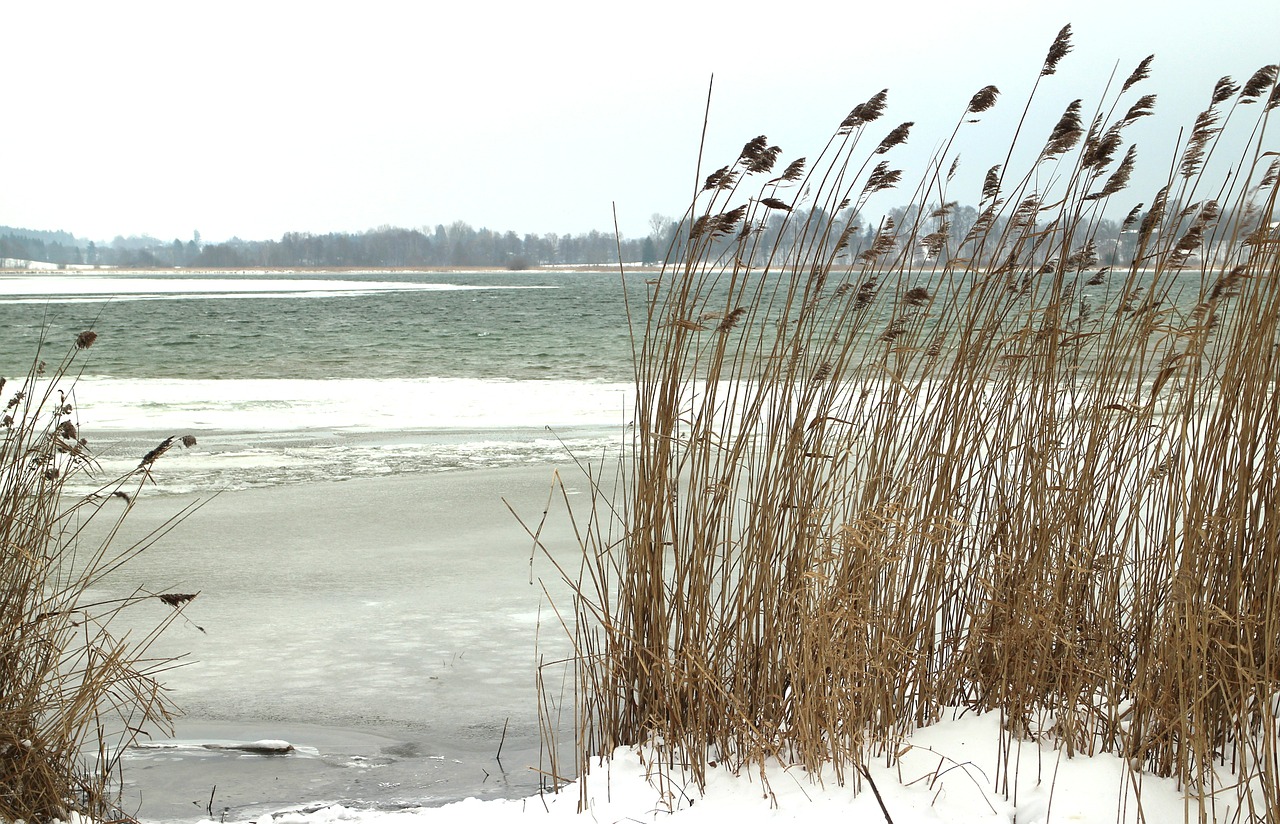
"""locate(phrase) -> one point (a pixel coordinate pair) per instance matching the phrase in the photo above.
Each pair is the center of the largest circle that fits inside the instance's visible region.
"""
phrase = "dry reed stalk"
(1006, 471)
(72, 695)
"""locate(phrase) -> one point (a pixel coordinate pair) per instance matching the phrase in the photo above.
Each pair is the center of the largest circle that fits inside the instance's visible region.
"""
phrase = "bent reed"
(1015, 466)
(73, 695)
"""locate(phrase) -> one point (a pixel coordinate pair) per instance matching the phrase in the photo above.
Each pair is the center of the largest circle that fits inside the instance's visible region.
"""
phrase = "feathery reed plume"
(718, 225)
(1059, 49)
(186, 441)
(866, 294)
(1223, 89)
(758, 156)
(722, 178)
(983, 100)
(864, 113)
(991, 183)
(1143, 107)
(842, 242)
(884, 243)
(732, 319)
(794, 170)
(753, 148)
(896, 137)
(1099, 150)
(1261, 81)
(86, 339)
(881, 178)
(1024, 216)
(1153, 216)
(1270, 176)
(765, 162)
(1204, 129)
(1140, 73)
(936, 240)
(1066, 133)
(916, 296)
(1083, 258)
(1120, 177)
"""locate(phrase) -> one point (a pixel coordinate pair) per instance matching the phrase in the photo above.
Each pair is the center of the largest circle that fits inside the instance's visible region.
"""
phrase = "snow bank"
(946, 773)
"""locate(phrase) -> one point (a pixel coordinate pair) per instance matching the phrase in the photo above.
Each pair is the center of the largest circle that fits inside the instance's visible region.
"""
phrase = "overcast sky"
(257, 118)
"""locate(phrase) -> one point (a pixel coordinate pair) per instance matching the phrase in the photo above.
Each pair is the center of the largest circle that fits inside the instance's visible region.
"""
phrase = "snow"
(947, 772)
(44, 288)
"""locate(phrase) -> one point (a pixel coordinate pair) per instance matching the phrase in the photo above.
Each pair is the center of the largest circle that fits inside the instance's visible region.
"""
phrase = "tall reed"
(986, 467)
(72, 693)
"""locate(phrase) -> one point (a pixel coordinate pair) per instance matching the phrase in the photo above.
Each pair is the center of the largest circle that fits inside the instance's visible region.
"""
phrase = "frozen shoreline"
(387, 628)
(389, 624)
(947, 772)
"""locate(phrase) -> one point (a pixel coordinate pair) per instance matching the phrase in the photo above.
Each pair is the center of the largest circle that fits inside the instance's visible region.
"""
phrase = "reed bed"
(994, 470)
(73, 693)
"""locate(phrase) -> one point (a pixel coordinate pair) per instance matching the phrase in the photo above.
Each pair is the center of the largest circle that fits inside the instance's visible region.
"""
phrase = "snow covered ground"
(947, 773)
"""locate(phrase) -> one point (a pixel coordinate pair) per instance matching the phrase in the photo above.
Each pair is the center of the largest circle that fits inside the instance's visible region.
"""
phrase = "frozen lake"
(389, 628)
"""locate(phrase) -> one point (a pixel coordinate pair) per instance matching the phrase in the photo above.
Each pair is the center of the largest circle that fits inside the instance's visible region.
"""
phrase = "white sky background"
(257, 118)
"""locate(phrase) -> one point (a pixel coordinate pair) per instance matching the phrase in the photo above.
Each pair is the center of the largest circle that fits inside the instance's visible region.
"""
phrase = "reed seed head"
(983, 100)
(1262, 80)
(991, 183)
(916, 296)
(794, 170)
(1067, 132)
(1143, 107)
(881, 178)
(1060, 48)
(722, 178)
(732, 319)
(1142, 72)
(864, 113)
(896, 137)
(1223, 89)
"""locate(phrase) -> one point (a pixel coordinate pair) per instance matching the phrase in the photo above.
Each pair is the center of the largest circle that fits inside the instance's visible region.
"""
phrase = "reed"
(73, 693)
(956, 468)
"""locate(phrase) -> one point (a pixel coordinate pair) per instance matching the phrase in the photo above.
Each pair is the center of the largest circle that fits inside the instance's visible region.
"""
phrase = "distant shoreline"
(603, 268)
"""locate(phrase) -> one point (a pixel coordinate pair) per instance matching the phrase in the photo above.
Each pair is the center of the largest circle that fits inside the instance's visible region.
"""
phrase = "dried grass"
(928, 475)
(72, 693)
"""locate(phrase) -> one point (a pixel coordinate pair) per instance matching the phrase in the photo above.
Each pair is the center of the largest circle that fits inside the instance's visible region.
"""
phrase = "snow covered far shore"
(946, 773)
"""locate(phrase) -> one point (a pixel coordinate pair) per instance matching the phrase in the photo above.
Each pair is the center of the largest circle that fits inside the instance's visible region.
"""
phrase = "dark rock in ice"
(264, 747)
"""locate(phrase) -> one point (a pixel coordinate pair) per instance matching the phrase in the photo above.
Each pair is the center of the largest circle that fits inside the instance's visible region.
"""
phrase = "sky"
(252, 119)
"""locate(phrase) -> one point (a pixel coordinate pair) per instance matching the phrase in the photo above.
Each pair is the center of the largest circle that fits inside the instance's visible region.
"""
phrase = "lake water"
(295, 378)
(365, 591)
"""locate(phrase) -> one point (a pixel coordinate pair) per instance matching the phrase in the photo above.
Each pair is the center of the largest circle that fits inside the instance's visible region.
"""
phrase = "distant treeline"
(455, 245)
(920, 235)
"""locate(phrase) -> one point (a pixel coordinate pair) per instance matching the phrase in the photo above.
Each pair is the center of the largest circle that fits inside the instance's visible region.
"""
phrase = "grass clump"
(72, 693)
(1014, 463)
